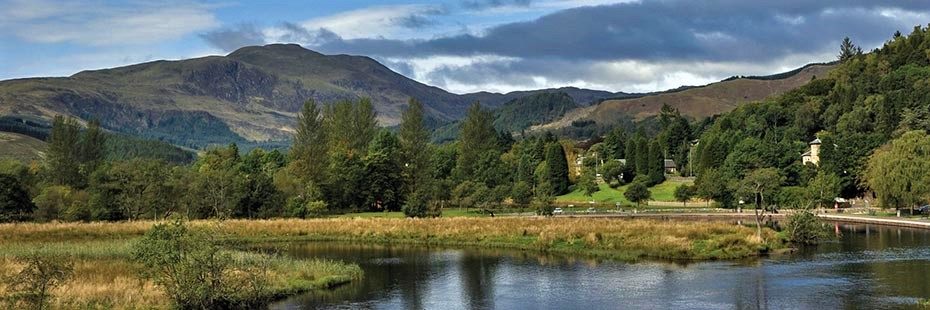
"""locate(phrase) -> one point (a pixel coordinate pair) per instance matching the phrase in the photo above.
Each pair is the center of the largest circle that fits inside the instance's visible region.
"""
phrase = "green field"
(450, 212)
(661, 192)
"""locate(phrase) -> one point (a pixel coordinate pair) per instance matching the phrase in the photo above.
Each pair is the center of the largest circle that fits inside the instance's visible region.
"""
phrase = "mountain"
(520, 113)
(695, 101)
(250, 95)
(581, 96)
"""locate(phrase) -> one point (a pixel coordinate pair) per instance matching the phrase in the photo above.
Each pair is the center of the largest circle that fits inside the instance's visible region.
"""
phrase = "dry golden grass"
(613, 238)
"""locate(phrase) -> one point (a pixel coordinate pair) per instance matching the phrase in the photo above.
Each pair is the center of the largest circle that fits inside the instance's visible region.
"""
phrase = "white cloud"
(378, 21)
(99, 24)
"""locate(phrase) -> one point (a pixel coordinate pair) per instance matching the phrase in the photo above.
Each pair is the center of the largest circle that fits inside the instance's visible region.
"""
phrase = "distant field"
(450, 212)
(661, 192)
(20, 147)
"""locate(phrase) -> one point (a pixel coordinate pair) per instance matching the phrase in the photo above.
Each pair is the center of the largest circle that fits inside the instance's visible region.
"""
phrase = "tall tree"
(414, 143)
(62, 158)
(383, 173)
(615, 144)
(92, 147)
(557, 168)
(478, 137)
(351, 125)
(848, 50)
(309, 153)
(656, 163)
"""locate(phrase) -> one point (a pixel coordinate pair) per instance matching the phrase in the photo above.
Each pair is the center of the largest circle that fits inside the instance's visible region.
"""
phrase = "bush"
(195, 272)
(804, 227)
(416, 205)
(32, 287)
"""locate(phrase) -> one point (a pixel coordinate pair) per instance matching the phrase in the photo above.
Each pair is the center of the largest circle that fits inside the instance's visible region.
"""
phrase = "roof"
(808, 153)
(816, 141)
(670, 164)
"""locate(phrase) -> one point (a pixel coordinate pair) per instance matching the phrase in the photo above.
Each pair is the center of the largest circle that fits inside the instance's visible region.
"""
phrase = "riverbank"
(593, 237)
(105, 277)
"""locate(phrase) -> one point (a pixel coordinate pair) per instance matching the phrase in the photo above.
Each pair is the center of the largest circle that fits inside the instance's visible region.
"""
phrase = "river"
(868, 267)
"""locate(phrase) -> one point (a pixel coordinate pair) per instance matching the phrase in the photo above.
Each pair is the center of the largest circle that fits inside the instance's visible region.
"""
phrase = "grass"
(106, 278)
(450, 212)
(664, 191)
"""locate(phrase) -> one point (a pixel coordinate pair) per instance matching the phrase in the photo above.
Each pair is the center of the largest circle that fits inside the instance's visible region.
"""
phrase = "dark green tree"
(848, 50)
(637, 192)
(557, 168)
(15, 205)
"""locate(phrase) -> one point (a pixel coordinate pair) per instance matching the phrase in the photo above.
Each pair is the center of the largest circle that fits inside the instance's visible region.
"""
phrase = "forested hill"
(863, 103)
(519, 114)
(693, 102)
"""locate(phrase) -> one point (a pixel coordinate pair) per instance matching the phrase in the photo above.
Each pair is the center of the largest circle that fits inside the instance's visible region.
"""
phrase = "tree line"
(340, 161)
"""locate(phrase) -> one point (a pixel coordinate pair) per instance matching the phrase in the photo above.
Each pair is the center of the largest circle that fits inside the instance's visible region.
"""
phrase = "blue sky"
(463, 45)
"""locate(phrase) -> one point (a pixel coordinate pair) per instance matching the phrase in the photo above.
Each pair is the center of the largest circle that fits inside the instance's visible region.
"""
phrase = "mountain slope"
(252, 94)
(695, 102)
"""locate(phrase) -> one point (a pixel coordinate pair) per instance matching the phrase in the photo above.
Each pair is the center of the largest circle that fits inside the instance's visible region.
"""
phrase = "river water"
(868, 267)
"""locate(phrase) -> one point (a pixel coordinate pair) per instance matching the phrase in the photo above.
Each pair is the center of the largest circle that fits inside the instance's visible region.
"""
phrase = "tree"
(383, 178)
(522, 193)
(824, 188)
(848, 50)
(62, 158)
(759, 184)
(478, 138)
(556, 168)
(91, 153)
(637, 192)
(32, 287)
(15, 205)
(309, 152)
(350, 126)
(899, 171)
(656, 164)
(615, 144)
(414, 145)
(588, 183)
(683, 193)
(542, 199)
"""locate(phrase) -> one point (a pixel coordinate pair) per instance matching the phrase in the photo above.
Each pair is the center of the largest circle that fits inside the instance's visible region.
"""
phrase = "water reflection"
(866, 267)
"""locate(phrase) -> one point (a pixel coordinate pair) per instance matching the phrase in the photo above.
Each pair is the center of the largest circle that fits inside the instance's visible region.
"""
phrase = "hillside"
(252, 94)
(695, 102)
(21, 147)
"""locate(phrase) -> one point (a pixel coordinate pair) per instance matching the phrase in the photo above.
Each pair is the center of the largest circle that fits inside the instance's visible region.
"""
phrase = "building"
(813, 155)
(670, 167)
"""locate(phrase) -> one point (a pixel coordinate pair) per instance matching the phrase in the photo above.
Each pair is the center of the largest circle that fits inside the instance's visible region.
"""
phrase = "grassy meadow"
(664, 191)
(105, 277)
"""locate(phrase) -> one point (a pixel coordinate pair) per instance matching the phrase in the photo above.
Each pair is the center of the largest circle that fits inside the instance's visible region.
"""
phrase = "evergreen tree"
(557, 168)
(642, 155)
(848, 50)
(656, 163)
(615, 144)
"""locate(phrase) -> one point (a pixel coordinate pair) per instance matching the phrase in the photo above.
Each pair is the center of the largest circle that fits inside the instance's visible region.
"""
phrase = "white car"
(557, 211)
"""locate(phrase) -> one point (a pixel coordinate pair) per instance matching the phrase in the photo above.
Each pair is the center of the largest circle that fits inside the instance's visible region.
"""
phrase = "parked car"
(592, 210)
(557, 211)
(923, 210)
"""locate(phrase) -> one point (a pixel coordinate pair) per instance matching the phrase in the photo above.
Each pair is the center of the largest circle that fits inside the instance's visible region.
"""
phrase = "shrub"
(416, 205)
(192, 270)
(804, 227)
(32, 287)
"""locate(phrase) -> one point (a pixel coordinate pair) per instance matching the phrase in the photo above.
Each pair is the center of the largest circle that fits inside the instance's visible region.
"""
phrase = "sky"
(463, 45)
